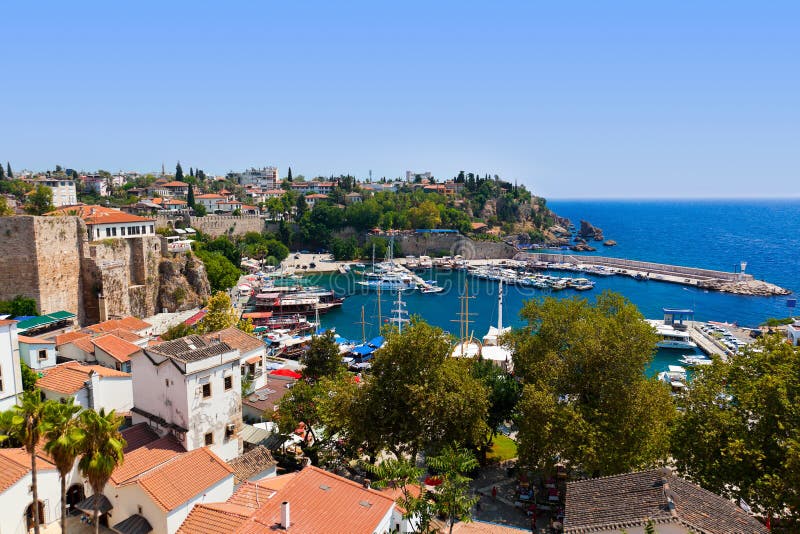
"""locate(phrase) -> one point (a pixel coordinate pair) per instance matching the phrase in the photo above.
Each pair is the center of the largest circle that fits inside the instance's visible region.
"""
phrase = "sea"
(713, 234)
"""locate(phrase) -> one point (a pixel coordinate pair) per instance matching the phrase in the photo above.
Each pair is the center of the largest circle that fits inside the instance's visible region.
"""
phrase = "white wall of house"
(38, 355)
(126, 230)
(113, 393)
(81, 396)
(219, 492)
(15, 500)
(127, 500)
(106, 360)
(165, 391)
(10, 368)
(64, 192)
(72, 352)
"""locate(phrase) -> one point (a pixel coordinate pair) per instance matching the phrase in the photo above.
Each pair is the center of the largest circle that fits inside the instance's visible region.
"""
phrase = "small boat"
(695, 360)
(431, 289)
(675, 377)
(671, 337)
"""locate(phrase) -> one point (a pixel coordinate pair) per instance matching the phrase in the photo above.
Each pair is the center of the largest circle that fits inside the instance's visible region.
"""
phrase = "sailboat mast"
(379, 309)
(363, 325)
(500, 307)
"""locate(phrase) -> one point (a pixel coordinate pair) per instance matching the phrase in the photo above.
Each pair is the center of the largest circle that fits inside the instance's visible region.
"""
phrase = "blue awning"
(677, 311)
(376, 342)
(362, 350)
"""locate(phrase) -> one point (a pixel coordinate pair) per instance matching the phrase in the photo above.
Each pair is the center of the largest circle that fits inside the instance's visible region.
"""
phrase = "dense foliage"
(738, 433)
(19, 306)
(586, 400)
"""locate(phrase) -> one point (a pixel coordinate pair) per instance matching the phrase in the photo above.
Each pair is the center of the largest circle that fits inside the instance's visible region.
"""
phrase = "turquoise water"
(710, 234)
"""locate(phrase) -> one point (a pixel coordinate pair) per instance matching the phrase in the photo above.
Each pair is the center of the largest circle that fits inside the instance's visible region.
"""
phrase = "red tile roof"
(183, 478)
(253, 494)
(15, 464)
(175, 184)
(145, 458)
(128, 323)
(68, 378)
(4, 322)
(137, 436)
(117, 348)
(236, 339)
(318, 500)
(210, 196)
(214, 519)
(34, 340)
(84, 343)
(94, 214)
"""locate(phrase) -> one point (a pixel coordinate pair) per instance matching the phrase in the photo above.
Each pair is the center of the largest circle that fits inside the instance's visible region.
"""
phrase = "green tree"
(2, 173)
(504, 394)
(453, 498)
(738, 430)
(220, 314)
(301, 206)
(190, 197)
(9, 172)
(289, 175)
(40, 201)
(404, 476)
(5, 209)
(344, 249)
(200, 210)
(322, 358)
(177, 331)
(101, 452)
(29, 377)
(26, 428)
(586, 399)
(63, 441)
(178, 172)
(222, 274)
(417, 397)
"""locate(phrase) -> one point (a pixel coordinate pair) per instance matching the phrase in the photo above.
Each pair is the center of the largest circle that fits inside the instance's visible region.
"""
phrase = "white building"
(104, 223)
(10, 367)
(412, 176)
(37, 353)
(158, 485)
(16, 499)
(64, 193)
(191, 387)
(209, 201)
(266, 177)
(92, 386)
(793, 332)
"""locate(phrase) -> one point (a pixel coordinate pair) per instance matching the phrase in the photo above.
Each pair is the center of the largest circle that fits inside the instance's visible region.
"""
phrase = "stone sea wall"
(451, 245)
(214, 225)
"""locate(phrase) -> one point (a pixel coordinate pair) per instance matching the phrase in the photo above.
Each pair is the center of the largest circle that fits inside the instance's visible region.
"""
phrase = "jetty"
(729, 282)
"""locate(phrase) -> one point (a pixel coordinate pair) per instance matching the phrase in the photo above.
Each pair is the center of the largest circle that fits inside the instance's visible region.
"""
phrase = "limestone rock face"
(588, 231)
(758, 288)
(183, 283)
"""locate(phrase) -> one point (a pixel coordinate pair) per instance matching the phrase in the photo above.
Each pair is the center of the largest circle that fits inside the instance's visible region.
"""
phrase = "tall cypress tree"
(2, 173)
(190, 196)
(178, 172)
(289, 175)
(9, 173)
(191, 171)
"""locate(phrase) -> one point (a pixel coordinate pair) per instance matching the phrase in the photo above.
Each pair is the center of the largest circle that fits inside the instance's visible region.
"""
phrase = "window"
(228, 382)
(206, 391)
(209, 439)
(114, 232)
(42, 354)
(108, 232)
(151, 228)
(229, 430)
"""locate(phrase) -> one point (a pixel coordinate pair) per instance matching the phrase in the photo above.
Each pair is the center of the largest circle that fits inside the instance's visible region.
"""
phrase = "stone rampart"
(434, 244)
(214, 225)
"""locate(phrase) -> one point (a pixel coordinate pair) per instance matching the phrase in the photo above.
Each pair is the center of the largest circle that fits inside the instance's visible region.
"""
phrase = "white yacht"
(671, 337)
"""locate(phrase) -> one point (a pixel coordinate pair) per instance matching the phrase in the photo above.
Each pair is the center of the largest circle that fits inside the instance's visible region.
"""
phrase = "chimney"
(285, 520)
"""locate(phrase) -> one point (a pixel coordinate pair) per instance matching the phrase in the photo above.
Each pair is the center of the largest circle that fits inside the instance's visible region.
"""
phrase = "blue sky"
(572, 98)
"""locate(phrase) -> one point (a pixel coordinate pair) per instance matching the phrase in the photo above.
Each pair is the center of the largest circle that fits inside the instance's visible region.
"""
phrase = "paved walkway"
(501, 509)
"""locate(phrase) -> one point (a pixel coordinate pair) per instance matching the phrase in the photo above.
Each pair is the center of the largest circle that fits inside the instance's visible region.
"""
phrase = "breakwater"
(724, 281)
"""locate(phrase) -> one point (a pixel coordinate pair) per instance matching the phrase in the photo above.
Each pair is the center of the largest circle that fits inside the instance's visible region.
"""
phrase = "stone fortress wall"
(214, 225)
(50, 260)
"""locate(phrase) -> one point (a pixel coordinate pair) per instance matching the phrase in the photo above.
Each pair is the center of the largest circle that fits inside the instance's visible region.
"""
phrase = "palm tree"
(26, 427)
(402, 474)
(453, 495)
(102, 452)
(63, 439)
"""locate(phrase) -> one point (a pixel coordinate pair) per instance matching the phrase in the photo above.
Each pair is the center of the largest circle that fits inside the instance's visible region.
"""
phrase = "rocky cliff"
(183, 283)
(588, 231)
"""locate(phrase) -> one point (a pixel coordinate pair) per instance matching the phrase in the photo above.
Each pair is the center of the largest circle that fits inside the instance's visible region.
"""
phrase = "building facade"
(10, 368)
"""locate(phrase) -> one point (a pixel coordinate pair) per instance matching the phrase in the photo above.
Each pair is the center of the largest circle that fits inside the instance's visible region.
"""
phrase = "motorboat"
(675, 377)
(671, 337)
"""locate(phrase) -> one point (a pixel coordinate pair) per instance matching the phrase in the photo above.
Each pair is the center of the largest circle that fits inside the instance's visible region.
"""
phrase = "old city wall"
(120, 277)
(214, 225)
(430, 244)
(40, 258)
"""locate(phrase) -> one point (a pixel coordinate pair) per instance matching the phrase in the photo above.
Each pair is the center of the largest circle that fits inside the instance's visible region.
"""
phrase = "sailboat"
(492, 349)
(399, 314)
(387, 277)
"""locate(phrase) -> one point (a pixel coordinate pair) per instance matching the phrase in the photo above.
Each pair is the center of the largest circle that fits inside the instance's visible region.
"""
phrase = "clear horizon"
(582, 101)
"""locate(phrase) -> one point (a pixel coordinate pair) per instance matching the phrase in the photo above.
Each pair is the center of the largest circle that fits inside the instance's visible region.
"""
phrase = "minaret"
(163, 171)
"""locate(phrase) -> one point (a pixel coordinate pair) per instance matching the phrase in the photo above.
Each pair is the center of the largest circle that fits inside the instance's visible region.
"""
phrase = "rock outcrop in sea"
(588, 231)
(757, 288)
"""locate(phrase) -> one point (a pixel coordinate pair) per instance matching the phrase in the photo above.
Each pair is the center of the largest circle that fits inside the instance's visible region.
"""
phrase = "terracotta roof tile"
(175, 184)
(117, 348)
(632, 499)
(67, 337)
(15, 464)
(6, 322)
(84, 343)
(183, 478)
(236, 339)
(482, 527)
(34, 340)
(145, 458)
(128, 323)
(254, 461)
(320, 499)
(254, 494)
(214, 519)
(70, 377)
(137, 436)
(95, 214)
(126, 334)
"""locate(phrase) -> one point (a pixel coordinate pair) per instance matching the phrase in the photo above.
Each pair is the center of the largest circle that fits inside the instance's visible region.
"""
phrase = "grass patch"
(502, 448)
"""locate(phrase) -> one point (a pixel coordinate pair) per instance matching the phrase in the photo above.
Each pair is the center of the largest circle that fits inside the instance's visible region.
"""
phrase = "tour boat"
(671, 337)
